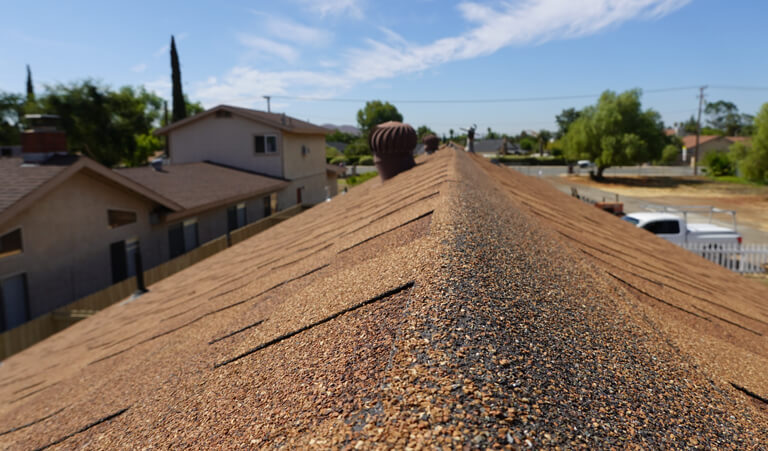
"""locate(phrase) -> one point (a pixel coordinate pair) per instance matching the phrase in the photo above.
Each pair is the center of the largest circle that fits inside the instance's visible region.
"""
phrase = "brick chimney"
(42, 139)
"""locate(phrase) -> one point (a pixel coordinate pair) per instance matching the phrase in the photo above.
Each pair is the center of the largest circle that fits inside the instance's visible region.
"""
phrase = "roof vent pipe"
(392, 144)
(431, 143)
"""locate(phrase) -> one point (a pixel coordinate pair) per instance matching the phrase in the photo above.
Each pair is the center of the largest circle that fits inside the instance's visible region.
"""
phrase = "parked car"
(585, 164)
(676, 229)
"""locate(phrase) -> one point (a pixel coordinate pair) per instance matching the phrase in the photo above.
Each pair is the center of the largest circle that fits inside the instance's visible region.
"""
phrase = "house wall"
(716, 145)
(66, 241)
(298, 164)
(228, 141)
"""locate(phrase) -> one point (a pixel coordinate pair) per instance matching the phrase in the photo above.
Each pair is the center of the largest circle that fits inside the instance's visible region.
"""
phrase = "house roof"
(689, 141)
(488, 145)
(280, 121)
(24, 183)
(456, 304)
(201, 186)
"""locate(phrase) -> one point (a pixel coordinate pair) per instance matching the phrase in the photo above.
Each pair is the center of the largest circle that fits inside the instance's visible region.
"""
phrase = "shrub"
(669, 154)
(718, 164)
(365, 160)
(338, 160)
(331, 153)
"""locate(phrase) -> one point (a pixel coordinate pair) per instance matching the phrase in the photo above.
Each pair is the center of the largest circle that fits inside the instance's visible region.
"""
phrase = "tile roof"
(689, 141)
(278, 120)
(19, 180)
(457, 304)
(196, 185)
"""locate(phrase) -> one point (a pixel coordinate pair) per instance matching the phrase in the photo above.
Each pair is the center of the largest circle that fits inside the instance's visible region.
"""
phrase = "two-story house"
(272, 144)
(70, 226)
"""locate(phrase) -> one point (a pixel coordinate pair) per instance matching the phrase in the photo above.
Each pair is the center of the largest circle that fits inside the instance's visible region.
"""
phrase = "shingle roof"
(457, 304)
(196, 185)
(18, 180)
(278, 120)
(689, 141)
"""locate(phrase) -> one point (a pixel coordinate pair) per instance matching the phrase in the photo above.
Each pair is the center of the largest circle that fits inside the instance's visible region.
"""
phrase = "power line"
(497, 100)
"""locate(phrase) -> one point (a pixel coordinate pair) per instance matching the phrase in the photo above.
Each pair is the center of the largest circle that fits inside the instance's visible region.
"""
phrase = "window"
(117, 218)
(304, 151)
(123, 257)
(235, 216)
(265, 144)
(223, 114)
(670, 227)
(10, 244)
(630, 220)
(182, 237)
(14, 301)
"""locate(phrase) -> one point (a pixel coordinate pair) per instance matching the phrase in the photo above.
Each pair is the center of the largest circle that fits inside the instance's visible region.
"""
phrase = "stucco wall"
(227, 141)
(297, 164)
(66, 241)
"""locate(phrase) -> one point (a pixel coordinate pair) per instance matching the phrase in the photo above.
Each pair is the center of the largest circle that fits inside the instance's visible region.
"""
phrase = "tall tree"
(112, 127)
(11, 112)
(615, 132)
(754, 164)
(424, 131)
(374, 113)
(725, 117)
(30, 86)
(564, 121)
(179, 104)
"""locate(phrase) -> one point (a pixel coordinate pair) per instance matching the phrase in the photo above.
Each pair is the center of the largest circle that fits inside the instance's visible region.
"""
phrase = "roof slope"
(458, 303)
(278, 120)
(18, 180)
(194, 185)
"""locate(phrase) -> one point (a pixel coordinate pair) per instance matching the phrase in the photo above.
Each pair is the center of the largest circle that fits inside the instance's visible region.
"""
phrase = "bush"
(358, 179)
(338, 160)
(331, 153)
(669, 154)
(718, 164)
(365, 160)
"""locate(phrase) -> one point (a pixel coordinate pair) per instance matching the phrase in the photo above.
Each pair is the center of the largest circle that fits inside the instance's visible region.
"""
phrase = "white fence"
(744, 258)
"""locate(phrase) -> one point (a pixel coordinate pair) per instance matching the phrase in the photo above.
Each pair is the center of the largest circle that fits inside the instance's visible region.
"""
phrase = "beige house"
(70, 226)
(707, 144)
(272, 144)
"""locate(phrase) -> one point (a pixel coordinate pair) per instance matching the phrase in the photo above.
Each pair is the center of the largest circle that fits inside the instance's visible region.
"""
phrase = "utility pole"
(268, 109)
(698, 131)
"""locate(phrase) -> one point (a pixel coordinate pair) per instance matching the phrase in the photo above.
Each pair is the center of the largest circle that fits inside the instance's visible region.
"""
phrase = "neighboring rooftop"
(202, 185)
(280, 121)
(19, 179)
(689, 141)
(458, 304)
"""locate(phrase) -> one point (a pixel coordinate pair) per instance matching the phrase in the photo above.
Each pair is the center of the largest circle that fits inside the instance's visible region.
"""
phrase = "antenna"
(268, 108)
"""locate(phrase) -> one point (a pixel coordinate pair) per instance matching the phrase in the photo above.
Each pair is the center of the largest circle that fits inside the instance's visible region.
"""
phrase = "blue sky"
(237, 51)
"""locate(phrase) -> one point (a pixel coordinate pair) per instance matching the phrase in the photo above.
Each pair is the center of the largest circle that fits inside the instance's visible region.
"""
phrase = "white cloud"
(289, 30)
(260, 46)
(523, 22)
(139, 68)
(160, 86)
(351, 8)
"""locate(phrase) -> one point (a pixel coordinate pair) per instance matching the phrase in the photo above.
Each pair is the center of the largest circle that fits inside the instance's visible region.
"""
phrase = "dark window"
(670, 227)
(223, 114)
(117, 218)
(182, 237)
(298, 195)
(304, 151)
(265, 143)
(10, 244)
(14, 301)
(235, 216)
(6, 151)
(123, 257)
(267, 206)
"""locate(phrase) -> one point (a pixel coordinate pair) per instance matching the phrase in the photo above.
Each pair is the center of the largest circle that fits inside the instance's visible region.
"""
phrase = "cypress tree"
(30, 87)
(179, 106)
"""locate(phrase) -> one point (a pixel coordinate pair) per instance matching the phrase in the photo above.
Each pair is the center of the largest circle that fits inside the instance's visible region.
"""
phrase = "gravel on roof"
(459, 304)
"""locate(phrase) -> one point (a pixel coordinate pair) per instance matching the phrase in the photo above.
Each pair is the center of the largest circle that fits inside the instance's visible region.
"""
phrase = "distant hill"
(351, 129)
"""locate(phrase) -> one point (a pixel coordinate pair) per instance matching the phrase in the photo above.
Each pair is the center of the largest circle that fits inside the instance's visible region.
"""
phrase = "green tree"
(754, 164)
(11, 113)
(339, 136)
(374, 113)
(564, 121)
(450, 134)
(193, 107)
(669, 154)
(109, 126)
(724, 117)
(615, 132)
(424, 131)
(718, 164)
(492, 134)
(179, 105)
(356, 149)
(30, 86)
(544, 137)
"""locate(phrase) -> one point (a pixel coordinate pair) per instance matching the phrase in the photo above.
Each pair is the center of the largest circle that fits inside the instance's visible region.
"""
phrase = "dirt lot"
(750, 202)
